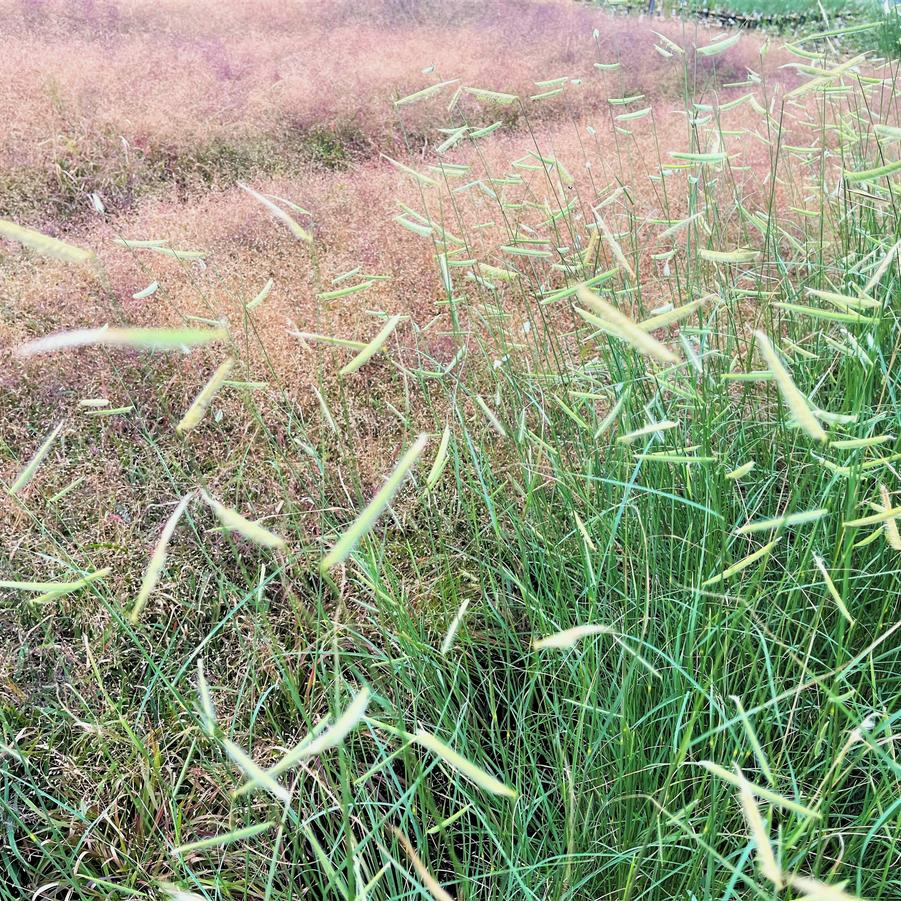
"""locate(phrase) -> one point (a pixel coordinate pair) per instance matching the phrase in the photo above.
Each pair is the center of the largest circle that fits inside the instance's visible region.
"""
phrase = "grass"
(138, 100)
(793, 17)
(523, 654)
(792, 9)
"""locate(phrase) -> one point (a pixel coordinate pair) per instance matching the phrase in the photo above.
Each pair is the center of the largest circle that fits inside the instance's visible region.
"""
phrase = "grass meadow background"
(449, 449)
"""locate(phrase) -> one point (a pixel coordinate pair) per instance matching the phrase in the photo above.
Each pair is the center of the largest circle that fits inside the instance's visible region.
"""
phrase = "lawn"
(449, 449)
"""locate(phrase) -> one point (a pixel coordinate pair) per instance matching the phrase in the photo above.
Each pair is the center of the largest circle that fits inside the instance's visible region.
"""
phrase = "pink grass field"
(157, 109)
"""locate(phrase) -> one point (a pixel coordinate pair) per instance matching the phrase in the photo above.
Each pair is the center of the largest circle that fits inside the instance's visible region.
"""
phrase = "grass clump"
(543, 544)
(331, 148)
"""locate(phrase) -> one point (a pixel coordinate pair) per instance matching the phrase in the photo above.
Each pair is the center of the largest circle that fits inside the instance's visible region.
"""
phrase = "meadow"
(449, 450)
